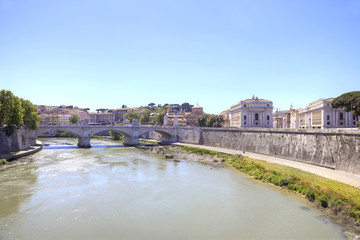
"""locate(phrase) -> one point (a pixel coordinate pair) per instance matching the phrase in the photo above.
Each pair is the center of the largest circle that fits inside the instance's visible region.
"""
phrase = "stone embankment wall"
(338, 149)
(19, 140)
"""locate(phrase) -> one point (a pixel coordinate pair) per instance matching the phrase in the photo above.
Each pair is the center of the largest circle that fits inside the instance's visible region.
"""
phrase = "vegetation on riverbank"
(3, 162)
(342, 199)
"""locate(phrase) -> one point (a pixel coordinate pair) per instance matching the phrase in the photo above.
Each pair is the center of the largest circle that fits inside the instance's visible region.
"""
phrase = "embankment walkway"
(340, 176)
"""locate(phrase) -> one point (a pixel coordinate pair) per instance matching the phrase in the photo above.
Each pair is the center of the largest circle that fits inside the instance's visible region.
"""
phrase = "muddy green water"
(123, 193)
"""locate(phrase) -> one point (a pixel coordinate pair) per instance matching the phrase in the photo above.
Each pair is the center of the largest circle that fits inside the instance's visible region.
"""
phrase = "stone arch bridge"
(131, 133)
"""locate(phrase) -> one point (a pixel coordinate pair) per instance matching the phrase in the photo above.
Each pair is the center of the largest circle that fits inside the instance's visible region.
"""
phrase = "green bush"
(3, 161)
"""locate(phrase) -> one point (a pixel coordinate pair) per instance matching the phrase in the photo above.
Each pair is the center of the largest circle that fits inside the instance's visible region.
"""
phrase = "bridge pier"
(131, 140)
(84, 142)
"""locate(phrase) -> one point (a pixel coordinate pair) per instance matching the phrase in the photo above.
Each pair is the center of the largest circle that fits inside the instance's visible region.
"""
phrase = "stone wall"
(338, 149)
(16, 142)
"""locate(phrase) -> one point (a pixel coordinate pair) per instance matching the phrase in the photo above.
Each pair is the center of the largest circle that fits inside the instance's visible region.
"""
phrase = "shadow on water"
(74, 146)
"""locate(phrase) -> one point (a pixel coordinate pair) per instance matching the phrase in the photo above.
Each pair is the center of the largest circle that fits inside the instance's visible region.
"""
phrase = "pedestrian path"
(340, 176)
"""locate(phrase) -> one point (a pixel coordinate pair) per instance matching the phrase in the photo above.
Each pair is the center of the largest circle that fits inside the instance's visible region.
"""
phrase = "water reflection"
(75, 147)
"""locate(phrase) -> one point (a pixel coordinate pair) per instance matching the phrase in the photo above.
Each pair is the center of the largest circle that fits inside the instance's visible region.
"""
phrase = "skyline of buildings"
(248, 113)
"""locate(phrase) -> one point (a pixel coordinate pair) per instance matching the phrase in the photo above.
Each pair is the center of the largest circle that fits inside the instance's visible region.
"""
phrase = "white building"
(320, 114)
(251, 113)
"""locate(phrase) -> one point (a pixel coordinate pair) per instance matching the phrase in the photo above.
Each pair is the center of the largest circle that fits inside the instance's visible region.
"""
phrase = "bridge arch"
(160, 134)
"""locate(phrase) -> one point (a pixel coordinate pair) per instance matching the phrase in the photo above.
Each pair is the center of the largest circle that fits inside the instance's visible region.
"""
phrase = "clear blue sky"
(111, 52)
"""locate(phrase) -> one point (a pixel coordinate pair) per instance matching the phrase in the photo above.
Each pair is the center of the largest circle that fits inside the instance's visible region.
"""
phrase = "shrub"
(3, 161)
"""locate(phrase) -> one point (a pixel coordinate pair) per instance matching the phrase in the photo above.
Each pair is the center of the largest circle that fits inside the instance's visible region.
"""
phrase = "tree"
(186, 107)
(151, 105)
(207, 120)
(159, 116)
(11, 112)
(131, 115)
(116, 135)
(201, 120)
(145, 115)
(349, 102)
(74, 119)
(30, 116)
(102, 110)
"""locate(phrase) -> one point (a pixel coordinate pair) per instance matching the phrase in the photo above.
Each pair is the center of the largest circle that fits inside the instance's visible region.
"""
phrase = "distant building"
(286, 119)
(226, 115)
(63, 110)
(321, 114)
(54, 119)
(119, 114)
(184, 118)
(278, 119)
(102, 118)
(252, 113)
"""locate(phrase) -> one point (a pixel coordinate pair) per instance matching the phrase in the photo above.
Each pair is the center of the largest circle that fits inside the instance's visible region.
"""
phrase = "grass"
(341, 198)
(3, 162)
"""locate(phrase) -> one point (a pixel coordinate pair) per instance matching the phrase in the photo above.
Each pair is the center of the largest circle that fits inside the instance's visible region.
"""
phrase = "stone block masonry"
(337, 149)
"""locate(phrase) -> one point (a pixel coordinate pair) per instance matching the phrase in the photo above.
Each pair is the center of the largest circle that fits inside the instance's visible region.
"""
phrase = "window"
(256, 117)
(328, 123)
(341, 123)
(244, 117)
(268, 117)
(268, 105)
(244, 123)
(244, 105)
(341, 116)
(328, 118)
(353, 117)
(256, 123)
(354, 123)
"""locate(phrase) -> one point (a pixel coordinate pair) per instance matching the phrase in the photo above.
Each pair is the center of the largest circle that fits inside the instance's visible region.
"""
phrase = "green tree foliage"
(74, 119)
(31, 118)
(145, 116)
(349, 102)
(210, 120)
(159, 117)
(186, 107)
(11, 112)
(131, 115)
(116, 136)
(201, 120)
(16, 112)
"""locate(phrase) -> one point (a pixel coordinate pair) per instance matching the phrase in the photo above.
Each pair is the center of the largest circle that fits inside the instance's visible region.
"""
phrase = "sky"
(103, 54)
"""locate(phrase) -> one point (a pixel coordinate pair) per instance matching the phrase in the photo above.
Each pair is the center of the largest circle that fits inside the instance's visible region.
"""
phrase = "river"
(118, 192)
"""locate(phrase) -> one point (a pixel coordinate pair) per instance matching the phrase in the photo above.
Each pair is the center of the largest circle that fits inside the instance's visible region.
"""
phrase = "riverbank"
(340, 176)
(175, 153)
(8, 160)
(338, 200)
(15, 155)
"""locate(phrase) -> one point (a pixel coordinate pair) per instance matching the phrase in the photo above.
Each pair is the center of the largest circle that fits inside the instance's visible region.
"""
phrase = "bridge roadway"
(131, 133)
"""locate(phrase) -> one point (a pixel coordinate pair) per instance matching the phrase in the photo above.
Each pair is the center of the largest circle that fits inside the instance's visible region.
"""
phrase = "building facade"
(119, 114)
(184, 118)
(102, 118)
(251, 113)
(54, 119)
(321, 114)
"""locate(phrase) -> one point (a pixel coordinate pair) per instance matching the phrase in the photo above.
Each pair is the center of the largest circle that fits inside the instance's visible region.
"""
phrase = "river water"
(123, 193)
